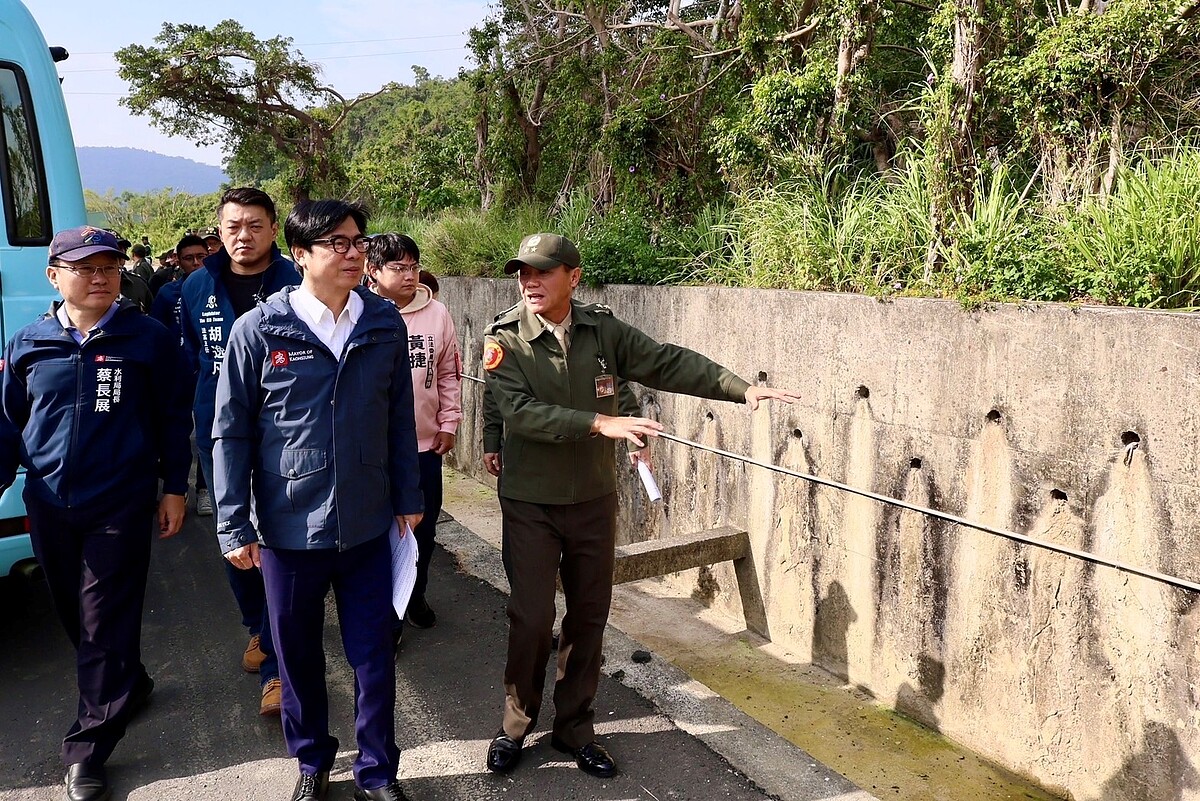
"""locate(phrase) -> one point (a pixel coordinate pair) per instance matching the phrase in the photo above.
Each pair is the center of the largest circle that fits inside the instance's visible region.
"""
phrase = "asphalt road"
(201, 736)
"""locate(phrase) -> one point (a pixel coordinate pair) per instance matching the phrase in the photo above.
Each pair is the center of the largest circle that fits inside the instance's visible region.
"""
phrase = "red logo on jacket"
(100, 357)
(279, 358)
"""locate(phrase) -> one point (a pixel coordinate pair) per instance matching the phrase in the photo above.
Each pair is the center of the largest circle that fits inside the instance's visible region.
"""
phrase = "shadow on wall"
(1161, 771)
(918, 702)
(832, 620)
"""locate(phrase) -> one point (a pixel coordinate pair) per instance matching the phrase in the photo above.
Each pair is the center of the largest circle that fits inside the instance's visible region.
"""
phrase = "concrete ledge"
(771, 762)
(642, 560)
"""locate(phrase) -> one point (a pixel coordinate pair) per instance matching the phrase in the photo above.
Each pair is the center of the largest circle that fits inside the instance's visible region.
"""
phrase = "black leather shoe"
(310, 787)
(420, 615)
(140, 696)
(87, 783)
(504, 753)
(389, 792)
(591, 758)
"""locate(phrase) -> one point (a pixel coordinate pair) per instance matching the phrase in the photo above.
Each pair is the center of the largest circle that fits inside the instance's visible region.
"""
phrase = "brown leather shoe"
(272, 698)
(253, 657)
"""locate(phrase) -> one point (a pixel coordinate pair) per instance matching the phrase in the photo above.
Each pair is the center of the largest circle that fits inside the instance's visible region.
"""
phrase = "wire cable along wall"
(1024, 539)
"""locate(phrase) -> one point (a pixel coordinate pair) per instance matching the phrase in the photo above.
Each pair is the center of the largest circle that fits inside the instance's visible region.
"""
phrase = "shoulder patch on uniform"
(493, 354)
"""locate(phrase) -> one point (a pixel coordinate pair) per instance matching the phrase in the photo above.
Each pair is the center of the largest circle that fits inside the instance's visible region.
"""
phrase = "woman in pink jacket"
(393, 262)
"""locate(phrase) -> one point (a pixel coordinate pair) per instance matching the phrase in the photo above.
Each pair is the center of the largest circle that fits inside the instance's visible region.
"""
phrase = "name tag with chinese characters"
(605, 386)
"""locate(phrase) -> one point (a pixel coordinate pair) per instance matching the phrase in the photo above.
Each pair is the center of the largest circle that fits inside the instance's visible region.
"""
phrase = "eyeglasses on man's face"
(85, 270)
(402, 267)
(341, 244)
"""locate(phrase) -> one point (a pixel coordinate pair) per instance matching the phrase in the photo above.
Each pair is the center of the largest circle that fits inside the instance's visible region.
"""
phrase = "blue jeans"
(248, 591)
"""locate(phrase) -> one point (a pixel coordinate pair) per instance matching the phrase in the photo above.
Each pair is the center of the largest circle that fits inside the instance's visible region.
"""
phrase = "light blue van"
(40, 193)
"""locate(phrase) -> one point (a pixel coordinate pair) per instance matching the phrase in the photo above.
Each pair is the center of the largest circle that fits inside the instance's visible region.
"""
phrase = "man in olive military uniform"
(553, 366)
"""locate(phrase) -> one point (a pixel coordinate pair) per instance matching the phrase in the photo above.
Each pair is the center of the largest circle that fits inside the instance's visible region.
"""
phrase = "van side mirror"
(59, 54)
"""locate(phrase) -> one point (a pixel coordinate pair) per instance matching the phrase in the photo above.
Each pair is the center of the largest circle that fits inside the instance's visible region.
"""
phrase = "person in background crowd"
(167, 309)
(212, 239)
(428, 279)
(132, 287)
(93, 403)
(141, 263)
(552, 365)
(393, 261)
(248, 268)
(168, 302)
(168, 272)
(315, 424)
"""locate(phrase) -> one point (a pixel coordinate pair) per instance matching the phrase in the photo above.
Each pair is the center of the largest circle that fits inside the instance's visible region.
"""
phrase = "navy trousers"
(248, 591)
(360, 577)
(426, 530)
(96, 561)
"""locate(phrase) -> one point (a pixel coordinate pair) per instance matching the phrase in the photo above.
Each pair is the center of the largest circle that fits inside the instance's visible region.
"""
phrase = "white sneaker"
(203, 503)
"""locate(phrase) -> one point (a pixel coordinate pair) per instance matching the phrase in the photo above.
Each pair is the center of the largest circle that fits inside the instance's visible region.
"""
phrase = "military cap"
(543, 252)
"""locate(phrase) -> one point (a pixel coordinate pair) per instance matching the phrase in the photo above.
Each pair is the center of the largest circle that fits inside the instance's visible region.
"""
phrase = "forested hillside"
(966, 148)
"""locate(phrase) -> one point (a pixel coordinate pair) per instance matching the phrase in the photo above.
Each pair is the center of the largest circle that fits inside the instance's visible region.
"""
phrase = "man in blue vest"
(231, 283)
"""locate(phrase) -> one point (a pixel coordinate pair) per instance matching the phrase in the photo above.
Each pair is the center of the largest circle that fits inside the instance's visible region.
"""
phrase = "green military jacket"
(548, 402)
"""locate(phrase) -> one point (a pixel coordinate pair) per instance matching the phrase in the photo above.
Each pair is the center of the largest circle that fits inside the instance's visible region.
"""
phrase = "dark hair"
(313, 219)
(190, 241)
(430, 280)
(248, 196)
(140, 250)
(392, 247)
(123, 243)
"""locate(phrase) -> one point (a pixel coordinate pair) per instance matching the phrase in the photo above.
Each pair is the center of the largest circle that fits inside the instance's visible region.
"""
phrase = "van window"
(22, 181)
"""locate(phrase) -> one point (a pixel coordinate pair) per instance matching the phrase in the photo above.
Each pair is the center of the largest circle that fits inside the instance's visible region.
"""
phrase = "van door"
(40, 193)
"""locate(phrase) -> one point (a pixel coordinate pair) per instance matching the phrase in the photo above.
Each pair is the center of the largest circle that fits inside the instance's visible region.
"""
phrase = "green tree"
(223, 85)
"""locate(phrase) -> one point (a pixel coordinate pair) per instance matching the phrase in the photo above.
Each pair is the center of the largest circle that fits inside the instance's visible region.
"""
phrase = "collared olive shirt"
(548, 401)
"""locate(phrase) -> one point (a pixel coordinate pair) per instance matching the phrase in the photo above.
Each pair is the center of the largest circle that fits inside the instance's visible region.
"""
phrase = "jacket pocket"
(373, 455)
(305, 477)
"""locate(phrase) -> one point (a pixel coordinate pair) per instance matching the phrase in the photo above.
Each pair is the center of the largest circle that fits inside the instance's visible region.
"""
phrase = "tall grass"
(469, 242)
(1140, 246)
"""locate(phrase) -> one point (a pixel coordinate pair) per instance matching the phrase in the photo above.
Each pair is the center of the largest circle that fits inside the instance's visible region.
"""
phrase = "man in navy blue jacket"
(93, 403)
(232, 281)
(315, 424)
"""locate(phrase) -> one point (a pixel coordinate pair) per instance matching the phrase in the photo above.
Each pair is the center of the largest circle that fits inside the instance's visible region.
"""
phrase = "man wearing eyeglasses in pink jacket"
(393, 265)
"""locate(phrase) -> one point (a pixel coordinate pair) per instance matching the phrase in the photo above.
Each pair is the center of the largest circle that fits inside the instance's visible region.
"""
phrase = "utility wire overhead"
(315, 60)
(319, 44)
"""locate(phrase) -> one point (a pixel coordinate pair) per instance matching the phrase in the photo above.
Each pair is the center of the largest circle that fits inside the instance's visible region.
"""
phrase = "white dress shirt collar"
(319, 318)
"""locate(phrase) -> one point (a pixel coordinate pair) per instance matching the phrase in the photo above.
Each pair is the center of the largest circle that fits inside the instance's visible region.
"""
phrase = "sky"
(361, 45)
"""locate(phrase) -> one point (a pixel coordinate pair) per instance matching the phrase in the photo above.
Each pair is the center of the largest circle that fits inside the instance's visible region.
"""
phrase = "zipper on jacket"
(78, 408)
(75, 422)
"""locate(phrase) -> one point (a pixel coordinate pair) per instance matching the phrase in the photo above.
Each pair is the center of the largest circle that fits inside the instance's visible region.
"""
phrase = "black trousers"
(96, 561)
(426, 530)
(539, 542)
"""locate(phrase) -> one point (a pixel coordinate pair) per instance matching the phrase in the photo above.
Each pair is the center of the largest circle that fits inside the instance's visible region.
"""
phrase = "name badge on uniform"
(605, 386)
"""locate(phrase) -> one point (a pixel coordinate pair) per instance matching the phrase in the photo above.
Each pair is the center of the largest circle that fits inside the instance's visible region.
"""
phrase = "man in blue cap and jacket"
(93, 403)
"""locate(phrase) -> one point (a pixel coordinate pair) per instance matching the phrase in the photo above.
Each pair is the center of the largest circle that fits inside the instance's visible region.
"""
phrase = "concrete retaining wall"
(1021, 417)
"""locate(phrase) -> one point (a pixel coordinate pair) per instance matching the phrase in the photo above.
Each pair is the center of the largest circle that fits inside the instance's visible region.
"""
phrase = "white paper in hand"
(404, 567)
(648, 482)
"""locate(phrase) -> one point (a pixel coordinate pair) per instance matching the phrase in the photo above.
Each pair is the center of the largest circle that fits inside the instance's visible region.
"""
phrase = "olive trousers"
(539, 542)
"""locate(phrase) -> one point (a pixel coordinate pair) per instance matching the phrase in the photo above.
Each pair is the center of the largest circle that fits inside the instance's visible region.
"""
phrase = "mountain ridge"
(130, 169)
